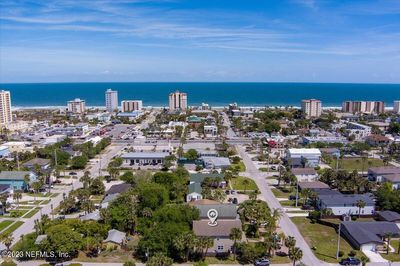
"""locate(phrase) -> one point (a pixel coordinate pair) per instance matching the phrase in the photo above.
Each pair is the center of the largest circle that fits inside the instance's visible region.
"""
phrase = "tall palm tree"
(17, 196)
(388, 237)
(6, 239)
(295, 255)
(290, 242)
(360, 204)
(235, 235)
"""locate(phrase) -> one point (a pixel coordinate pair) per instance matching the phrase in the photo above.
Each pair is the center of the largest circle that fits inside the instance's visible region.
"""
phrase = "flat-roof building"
(177, 101)
(111, 100)
(76, 106)
(131, 105)
(5, 107)
(311, 107)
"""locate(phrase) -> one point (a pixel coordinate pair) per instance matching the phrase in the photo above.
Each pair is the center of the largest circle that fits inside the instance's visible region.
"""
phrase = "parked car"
(72, 173)
(262, 262)
(293, 197)
(350, 261)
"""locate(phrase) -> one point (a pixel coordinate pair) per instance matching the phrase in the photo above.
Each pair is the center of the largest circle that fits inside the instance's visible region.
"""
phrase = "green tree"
(6, 239)
(97, 187)
(235, 235)
(17, 196)
(152, 195)
(295, 255)
(159, 259)
(79, 162)
(184, 243)
(360, 204)
(191, 154)
(86, 179)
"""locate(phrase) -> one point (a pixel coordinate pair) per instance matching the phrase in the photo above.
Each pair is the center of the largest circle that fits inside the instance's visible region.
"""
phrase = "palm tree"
(86, 179)
(290, 242)
(235, 235)
(3, 200)
(275, 217)
(17, 196)
(295, 254)
(6, 239)
(305, 193)
(245, 183)
(36, 187)
(360, 204)
(184, 243)
(159, 259)
(388, 237)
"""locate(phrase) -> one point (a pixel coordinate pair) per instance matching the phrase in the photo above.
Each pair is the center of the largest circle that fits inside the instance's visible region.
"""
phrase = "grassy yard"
(281, 193)
(114, 256)
(31, 213)
(96, 199)
(5, 223)
(239, 183)
(13, 227)
(393, 256)
(351, 164)
(323, 239)
(240, 166)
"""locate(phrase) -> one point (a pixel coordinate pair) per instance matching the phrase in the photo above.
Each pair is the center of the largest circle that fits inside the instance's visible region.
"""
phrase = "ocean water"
(215, 94)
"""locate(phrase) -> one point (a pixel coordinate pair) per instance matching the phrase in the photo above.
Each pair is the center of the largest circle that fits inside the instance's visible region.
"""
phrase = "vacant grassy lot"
(323, 239)
(280, 192)
(351, 164)
(239, 183)
(240, 166)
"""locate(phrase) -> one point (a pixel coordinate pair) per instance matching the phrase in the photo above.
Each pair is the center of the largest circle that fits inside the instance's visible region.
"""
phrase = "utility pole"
(338, 242)
(297, 191)
(55, 156)
(17, 161)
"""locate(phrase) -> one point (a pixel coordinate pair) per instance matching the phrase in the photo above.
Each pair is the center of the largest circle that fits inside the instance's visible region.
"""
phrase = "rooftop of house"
(118, 188)
(346, 199)
(225, 211)
(313, 185)
(392, 178)
(304, 151)
(217, 161)
(145, 155)
(195, 188)
(375, 137)
(304, 171)
(222, 229)
(384, 170)
(92, 216)
(370, 232)
(199, 177)
(389, 216)
(37, 161)
(115, 236)
(14, 175)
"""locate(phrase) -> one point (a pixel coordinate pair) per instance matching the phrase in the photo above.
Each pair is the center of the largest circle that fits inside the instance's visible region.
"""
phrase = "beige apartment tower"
(396, 107)
(130, 106)
(177, 101)
(312, 107)
(5, 107)
(363, 107)
(77, 106)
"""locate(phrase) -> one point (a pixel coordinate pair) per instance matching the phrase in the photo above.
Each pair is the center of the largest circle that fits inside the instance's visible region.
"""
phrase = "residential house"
(305, 174)
(43, 164)
(115, 238)
(144, 158)
(378, 173)
(377, 140)
(303, 157)
(219, 163)
(194, 192)
(16, 179)
(346, 204)
(389, 216)
(368, 236)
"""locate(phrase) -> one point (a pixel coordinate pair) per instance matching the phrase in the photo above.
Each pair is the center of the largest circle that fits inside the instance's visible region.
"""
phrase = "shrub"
(352, 253)
(341, 253)
(129, 263)
(8, 263)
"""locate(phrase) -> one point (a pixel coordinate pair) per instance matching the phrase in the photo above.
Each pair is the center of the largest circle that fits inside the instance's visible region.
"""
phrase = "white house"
(305, 174)
(308, 157)
(346, 204)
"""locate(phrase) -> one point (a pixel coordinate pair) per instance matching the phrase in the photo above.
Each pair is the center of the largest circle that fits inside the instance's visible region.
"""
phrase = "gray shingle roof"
(223, 229)
(115, 236)
(37, 161)
(195, 187)
(384, 170)
(225, 211)
(367, 232)
(313, 185)
(304, 171)
(118, 188)
(13, 175)
(389, 216)
(345, 199)
(199, 178)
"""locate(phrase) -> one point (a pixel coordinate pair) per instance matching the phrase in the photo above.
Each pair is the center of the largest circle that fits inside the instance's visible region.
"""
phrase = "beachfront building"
(312, 108)
(303, 157)
(111, 100)
(5, 108)
(130, 106)
(177, 101)
(77, 106)
(364, 107)
(396, 107)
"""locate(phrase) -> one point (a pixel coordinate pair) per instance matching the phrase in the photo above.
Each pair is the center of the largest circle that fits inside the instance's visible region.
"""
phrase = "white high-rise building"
(5, 107)
(312, 107)
(177, 101)
(111, 100)
(77, 106)
(130, 106)
(396, 107)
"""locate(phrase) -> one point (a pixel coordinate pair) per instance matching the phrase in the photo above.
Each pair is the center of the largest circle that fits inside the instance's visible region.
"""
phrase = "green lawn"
(238, 183)
(5, 223)
(31, 213)
(13, 227)
(323, 238)
(351, 164)
(18, 212)
(281, 193)
(393, 256)
(240, 166)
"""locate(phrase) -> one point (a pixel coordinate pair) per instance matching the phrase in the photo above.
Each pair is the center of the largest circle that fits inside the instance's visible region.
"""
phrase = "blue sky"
(218, 40)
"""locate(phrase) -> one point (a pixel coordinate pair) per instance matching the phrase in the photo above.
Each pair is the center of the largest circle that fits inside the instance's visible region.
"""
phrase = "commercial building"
(177, 101)
(76, 106)
(144, 158)
(5, 107)
(359, 131)
(396, 107)
(130, 106)
(312, 107)
(368, 107)
(303, 157)
(210, 130)
(111, 100)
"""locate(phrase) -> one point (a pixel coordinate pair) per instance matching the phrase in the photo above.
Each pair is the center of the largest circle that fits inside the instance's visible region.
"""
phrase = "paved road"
(229, 132)
(285, 223)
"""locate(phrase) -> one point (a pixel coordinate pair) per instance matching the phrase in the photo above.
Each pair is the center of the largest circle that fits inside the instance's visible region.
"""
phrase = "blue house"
(16, 179)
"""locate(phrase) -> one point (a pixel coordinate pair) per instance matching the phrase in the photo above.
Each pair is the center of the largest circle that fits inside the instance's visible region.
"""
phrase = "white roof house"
(297, 157)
